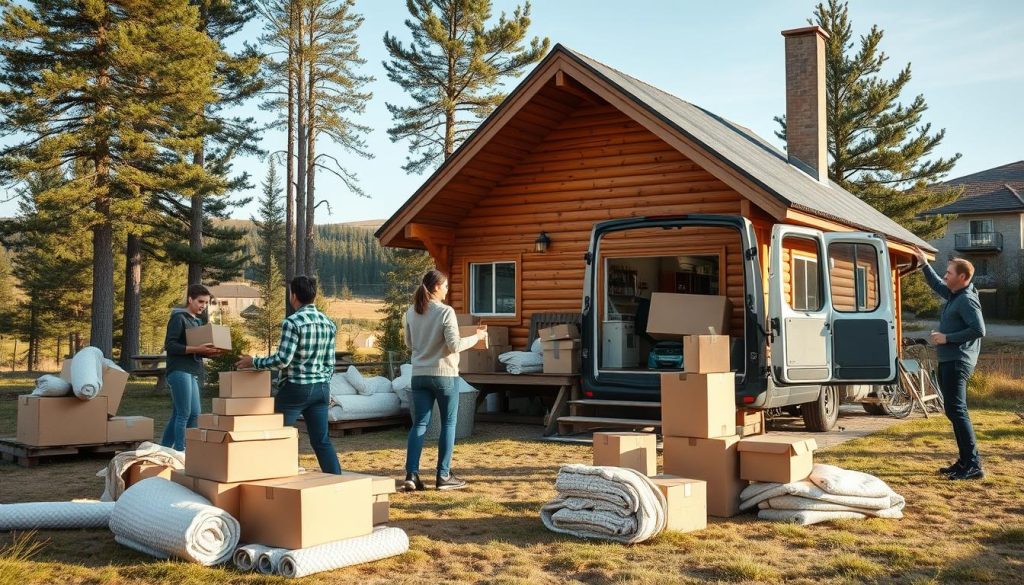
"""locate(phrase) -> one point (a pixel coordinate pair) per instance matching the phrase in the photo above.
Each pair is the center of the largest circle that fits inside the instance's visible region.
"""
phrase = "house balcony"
(979, 242)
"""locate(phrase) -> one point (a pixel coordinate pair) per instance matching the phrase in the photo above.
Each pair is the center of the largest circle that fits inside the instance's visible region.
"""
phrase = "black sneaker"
(412, 483)
(951, 468)
(972, 472)
(450, 483)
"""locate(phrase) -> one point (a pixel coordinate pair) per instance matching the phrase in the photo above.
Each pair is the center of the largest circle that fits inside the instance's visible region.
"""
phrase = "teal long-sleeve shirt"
(961, 320)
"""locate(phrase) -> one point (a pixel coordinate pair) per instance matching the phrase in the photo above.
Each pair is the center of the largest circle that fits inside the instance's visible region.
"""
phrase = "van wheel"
(873, 408)
(820, 416)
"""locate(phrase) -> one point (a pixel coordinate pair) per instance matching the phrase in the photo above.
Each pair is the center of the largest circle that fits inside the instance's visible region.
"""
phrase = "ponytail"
(431, 280)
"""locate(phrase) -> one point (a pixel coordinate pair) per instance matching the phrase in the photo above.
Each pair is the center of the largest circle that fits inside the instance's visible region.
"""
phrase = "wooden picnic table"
(151, 365)
(568, 386)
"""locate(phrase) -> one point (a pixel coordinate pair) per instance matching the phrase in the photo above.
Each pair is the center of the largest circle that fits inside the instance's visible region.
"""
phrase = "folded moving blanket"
(610, 503)
(147, 452)
(807, 517)
(50, 385)
(383, 542)
(55, 515)
(522, 362)
(164, 519)
(846, 482)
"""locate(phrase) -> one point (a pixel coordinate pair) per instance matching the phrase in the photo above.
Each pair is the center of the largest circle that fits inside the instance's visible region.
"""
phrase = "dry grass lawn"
(353, 309)
(490, 532)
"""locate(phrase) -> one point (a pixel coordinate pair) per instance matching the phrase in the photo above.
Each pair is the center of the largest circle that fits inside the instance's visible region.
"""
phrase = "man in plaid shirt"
(306, 354)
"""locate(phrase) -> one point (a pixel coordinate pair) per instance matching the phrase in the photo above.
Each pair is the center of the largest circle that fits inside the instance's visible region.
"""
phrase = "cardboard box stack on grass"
(47, 421)
(482, 358)
(561, 345)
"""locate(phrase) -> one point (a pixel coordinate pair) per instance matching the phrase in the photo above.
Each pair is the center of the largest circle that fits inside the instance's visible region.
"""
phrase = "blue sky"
(967, 59)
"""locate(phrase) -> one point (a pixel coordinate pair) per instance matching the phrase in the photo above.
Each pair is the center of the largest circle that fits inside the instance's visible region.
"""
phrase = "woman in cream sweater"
(432, 333)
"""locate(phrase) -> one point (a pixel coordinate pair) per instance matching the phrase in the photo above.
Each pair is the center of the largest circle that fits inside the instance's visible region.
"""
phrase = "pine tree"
(399, 286)
(264, 323)
(269, 228)
(451, 70)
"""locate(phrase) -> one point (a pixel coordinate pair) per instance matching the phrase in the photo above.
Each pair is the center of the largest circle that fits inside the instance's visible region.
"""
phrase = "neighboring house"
(988, 230)
(233, 298)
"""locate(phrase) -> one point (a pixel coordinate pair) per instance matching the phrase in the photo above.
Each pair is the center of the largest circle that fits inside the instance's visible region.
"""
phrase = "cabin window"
(806, 287)
(853, 274)
(493, 288)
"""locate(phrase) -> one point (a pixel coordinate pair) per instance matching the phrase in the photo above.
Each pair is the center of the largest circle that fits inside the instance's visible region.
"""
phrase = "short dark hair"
(304, 288)
(962, 266)
(197, 290)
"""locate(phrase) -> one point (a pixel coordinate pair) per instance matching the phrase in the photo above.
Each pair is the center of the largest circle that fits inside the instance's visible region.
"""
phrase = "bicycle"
(916, 382)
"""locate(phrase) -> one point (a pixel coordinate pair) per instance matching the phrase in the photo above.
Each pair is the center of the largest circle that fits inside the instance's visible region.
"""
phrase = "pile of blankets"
(609, 503)
(113, 473)
(829, 493)
(524, 362)
(382, 543)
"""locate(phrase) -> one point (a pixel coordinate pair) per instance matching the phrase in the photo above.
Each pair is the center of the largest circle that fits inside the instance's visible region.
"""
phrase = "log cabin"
(510, 214)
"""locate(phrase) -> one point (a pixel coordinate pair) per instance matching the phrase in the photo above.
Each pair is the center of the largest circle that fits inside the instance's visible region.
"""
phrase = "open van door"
(831, 308)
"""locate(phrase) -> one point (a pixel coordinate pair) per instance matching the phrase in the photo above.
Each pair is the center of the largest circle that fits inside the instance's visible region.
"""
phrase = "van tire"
(821, 415)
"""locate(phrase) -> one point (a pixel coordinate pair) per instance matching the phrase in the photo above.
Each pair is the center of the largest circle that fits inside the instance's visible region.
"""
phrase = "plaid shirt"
(306, 351)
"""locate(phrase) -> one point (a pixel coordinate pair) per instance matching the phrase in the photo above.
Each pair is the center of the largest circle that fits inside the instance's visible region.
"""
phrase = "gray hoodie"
(960, 320)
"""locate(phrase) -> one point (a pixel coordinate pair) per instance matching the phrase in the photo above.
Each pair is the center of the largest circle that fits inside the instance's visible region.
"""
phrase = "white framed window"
(806, 285)
(492, 289)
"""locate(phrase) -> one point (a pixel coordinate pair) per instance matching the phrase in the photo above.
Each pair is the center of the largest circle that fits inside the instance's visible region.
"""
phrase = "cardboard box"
(673, 315)
(225, 496)
(253, 422)
(562, 356)
(381, 509)
(243, 406)
(698, 405)
(686, 502)
(470, 330)
(381, 488)
(716, 461)
(245, 384)
(46, 421)
(140, 471)
(706, 354)
(497, 336)
(241, 455)
(637, 451)
(564, 331)
(218, 335)
(114, 381)
(482, 361)
(776, 458)
(750, 422)
(129, 428)
(466, 319)
(306, 510)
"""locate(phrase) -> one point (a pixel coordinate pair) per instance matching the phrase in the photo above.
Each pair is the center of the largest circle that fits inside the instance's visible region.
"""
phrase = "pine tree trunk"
(301, 162)
(195, 233)
(132, 300)
(102, 324)
(310, 244)
(33, 337)
(289, 215)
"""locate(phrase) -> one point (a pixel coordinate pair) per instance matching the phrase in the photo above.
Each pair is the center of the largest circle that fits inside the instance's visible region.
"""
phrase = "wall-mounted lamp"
(542, 242)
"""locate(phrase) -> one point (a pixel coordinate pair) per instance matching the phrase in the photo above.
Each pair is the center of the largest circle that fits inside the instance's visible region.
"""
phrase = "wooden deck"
(567, 385)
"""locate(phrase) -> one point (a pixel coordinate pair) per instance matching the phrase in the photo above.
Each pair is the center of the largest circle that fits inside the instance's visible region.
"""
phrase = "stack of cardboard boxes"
(46, 421)
(561, 345)
(482, 358)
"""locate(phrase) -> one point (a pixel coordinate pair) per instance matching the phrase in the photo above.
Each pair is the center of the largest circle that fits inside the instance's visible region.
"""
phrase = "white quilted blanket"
(609, 503)
(147, 452)
(55, 515)
(522, 362)
(164, 519)
(87, 372)
(247, 556)
(354, 407)
(270, 560)
(383, 542)
(50, 385)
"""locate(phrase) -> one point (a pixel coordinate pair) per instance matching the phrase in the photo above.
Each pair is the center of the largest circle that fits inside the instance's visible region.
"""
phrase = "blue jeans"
(425, 390)
(953, 377)
(312, 402)
(184, 408)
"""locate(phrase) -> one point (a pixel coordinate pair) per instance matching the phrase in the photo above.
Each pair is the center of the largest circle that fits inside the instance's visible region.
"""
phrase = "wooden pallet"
(29, 455)
(340, 428)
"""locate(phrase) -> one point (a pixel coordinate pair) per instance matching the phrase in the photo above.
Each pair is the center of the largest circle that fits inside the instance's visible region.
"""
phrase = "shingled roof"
(996, 190)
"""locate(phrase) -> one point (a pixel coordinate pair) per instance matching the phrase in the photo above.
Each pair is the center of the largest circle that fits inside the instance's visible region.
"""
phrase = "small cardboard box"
(129, 428)
(497, 336)
(114, 381)
(776, 458)
(466, 319)
(470, 330)
(698, 405)
(218, 335)
(716, 461)
(562, 356)
(564, 331)
(223, 495)
(674, 315)
(245, 384)
(482, 361)
(243, 406)
(382, 487)
(241, 455)
(706, 354)
(750, 422)
(253, 422)
(306, 510)
(143, 470)
(45, 421)
(637, 451)
(686, 501)
(381, 509)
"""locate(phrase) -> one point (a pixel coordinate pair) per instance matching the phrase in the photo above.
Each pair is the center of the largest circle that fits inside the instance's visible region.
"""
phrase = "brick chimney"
(805, 100)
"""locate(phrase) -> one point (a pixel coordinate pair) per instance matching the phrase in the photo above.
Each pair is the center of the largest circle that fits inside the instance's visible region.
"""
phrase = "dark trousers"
(312, 402)
(425, 391)
(953, 377)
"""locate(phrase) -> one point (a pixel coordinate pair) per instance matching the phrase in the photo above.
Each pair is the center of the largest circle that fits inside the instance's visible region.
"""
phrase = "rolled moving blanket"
(807, 517)
(87, 373)
(50, 385)
(164, 519)
(269, 560)
(611, 503)
(247, 556)
(383, 542)
(55, 515)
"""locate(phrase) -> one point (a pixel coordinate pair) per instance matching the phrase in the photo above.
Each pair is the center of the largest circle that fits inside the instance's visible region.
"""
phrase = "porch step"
(569, 424)
(626, 403)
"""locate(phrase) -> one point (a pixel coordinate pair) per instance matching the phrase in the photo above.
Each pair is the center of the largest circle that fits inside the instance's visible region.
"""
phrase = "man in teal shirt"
(306, 354)
(957, 344)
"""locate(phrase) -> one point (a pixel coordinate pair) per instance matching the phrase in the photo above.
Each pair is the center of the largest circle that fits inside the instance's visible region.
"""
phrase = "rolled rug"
(247, 556)
(87, 373)
(269, 560)
(163, 519)
(55, 515)
(383, 542)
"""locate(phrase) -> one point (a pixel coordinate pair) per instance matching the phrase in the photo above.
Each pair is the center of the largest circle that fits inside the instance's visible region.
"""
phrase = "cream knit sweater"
(434, 340)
